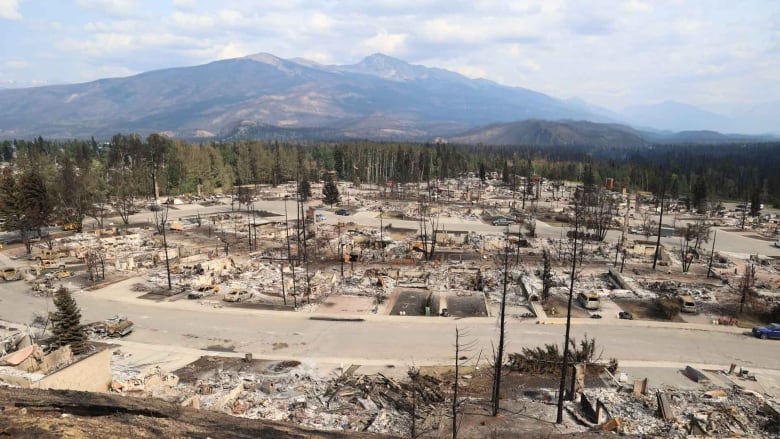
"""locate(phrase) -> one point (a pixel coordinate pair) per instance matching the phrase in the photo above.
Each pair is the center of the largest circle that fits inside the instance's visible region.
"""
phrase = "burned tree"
(746, 284)
(547, 278)
(429, 228)
(694, 235)
(599, 207)
(461, 347)
(95, 261)
(498, 360)
(578, 216)
(160, 220)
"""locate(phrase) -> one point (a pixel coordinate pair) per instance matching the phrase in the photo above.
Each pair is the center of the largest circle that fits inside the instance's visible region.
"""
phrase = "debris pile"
(715, 413)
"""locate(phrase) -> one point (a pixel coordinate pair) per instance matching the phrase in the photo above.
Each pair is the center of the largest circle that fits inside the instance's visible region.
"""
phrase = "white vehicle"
(589, 300)
(777, 244)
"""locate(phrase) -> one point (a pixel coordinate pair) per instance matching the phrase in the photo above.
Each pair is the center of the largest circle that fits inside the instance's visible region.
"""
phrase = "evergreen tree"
(66, 322)
(482, 172)
(330, 193)
(755, 201)
(699, 194)
(588, 177)
(304, 190)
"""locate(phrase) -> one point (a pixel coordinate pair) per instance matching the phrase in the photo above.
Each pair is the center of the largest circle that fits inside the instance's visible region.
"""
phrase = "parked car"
(589, 300)
(771, 330)
(502, 222)
(777, 244)
(238, 296)
(342, 212)
(320, 217)
(115, 326)
(51, 264)
(687, 304)
(62, 274)
(11, 273)
(203, 291)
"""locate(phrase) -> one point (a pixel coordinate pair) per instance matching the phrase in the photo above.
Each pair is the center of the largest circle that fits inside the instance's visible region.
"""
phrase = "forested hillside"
(74, 179)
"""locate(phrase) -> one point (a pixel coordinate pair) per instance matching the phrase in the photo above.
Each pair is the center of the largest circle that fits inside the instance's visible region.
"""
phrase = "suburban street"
(380, 340)
(393, 340)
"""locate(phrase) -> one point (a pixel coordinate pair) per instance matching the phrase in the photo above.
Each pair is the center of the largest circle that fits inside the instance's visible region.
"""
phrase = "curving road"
(382, 340)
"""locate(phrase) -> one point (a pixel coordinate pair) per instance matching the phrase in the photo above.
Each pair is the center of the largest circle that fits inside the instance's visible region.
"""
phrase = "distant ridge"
(380, 98)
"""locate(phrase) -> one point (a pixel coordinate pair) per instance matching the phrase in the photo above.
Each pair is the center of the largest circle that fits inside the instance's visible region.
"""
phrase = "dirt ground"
(560, 304)
(30, 413)
(644, 310)
(527, 409)
(347, 305)
(410, 301)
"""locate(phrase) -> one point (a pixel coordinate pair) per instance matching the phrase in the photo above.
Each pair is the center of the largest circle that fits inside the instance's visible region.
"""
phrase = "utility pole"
(289, 258)
(249, 228)
(281, 270)
(165, 246)
(660, 223)
(712, 255)
(565, 365)
(341, 257)
(625, 226)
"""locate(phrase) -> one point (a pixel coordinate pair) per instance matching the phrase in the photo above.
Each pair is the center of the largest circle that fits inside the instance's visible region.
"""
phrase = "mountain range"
(263, 96)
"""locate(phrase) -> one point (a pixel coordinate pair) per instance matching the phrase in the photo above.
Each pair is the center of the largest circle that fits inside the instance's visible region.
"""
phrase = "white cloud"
(16, 64)
(9, 10)
(233, 50)
(320, 22)
(612, 53)
(383, 42)
(113, 8)
(638, 6)
(471, 71)
(184, 4)
(192, 21)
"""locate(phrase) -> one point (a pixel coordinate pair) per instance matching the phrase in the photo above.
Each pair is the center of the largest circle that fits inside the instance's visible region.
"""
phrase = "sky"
(710, 53)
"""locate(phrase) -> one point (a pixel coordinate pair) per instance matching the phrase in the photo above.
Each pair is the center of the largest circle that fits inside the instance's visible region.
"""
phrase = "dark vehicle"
(625, 315)
(502, 222)
(771, 330)
(342, 212)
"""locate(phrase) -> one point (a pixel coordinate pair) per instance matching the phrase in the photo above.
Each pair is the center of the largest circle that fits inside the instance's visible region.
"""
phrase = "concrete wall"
(91, 374)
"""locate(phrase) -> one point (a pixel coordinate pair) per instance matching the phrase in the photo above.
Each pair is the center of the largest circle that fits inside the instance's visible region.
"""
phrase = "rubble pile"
(714, 413)
(293, 392)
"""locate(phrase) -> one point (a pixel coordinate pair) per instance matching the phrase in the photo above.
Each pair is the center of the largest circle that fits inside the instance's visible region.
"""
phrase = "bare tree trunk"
(499, 359)
(565, 365)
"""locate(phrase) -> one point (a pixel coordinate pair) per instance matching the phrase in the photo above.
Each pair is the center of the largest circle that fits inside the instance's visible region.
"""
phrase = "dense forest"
(72, 179)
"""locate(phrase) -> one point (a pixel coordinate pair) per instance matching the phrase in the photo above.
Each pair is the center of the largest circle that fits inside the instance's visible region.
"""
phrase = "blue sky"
(711, 53)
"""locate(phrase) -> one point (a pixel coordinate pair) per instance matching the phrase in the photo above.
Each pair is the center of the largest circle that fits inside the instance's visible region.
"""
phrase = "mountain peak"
(382, 58)
(387, 67)
(266, 58)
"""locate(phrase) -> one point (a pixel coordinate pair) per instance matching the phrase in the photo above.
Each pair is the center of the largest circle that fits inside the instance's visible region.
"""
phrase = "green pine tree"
(66, 322)
(330, 193)
(304, 190)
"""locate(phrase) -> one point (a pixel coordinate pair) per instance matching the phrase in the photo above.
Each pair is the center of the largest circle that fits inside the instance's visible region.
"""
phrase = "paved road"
(381, 340)
(389, 340)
